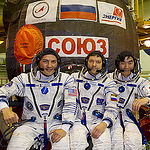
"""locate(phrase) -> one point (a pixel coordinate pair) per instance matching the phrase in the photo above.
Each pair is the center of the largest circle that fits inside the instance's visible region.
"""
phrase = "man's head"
(48, 61)
(125, 63)
(95, 62)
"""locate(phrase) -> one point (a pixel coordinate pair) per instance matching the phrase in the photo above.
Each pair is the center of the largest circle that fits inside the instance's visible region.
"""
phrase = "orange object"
(28, 42)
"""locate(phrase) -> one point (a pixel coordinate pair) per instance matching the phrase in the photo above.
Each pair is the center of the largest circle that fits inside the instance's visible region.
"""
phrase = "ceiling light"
(147, 43)
(1, 42)
(146, 26)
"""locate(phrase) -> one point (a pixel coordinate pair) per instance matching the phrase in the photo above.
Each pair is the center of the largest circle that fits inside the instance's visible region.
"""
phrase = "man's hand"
(98, 130)
(138, 103)
(9, 116)
(57, 135)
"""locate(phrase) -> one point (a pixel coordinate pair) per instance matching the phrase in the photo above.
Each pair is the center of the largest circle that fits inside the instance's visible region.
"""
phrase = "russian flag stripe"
(78, 15)
(89, 9)
(113, 99)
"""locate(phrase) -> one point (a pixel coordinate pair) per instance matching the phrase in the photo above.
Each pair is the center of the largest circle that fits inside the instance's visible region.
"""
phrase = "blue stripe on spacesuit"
(132, 85)
(53, 84)
(78, 80)
(101, 85)
(30, 85)
(2, 100)
(57, 84)
(3, 96)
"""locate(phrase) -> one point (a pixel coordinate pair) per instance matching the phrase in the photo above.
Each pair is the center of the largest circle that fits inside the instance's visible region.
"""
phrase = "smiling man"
(134, 92)
(47, 93)
(97, 105)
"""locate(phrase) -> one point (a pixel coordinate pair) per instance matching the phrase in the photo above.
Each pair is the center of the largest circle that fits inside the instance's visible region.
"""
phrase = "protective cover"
(28, 42)
(74, 28)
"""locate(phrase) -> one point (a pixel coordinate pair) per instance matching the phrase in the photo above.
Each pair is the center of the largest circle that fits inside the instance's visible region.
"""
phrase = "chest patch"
(121, 100)
(85, 100)
(29, 106)
(99, 101)
(44, 107)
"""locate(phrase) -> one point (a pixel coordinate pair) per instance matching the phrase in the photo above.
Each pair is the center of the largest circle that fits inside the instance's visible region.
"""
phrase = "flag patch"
(80, 12)
(72, 92)
(113, 98)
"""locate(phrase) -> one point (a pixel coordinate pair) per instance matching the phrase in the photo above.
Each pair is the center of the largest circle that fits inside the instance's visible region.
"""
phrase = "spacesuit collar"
(42, 77)
(90, 76)
(121, 77)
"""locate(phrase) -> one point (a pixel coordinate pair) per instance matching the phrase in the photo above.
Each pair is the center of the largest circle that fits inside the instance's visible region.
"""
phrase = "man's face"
(94, 63)
(49, 64)
(127, 66)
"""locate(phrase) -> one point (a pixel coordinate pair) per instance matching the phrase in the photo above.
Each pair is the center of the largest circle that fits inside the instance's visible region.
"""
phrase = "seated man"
(97, 109)
(134, 92)
(45, 90)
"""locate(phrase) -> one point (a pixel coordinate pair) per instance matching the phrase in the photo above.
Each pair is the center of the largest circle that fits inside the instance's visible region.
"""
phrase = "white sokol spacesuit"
(97, 102)
(44, 99)
(125, 133)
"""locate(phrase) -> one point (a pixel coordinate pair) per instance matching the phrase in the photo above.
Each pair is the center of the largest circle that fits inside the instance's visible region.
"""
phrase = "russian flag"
(113, 97)
(78, 12)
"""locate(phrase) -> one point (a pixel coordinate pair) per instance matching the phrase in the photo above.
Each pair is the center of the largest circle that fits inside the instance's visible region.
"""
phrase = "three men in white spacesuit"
(45, 90)
(134, 92)
(97, 105)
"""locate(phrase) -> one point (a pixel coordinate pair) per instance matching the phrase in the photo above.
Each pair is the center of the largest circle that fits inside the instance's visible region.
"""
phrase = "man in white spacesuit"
(134, 92)
(97, 105)
(45, 90)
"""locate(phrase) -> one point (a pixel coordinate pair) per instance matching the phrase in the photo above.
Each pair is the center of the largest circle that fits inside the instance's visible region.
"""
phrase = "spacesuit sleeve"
(144, 90)
(111, 109)
(14, 87)
(70, 104)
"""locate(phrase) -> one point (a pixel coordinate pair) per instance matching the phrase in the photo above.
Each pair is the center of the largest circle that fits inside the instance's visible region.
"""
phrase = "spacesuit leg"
(132, 137)
(103, 142)
(22, 138)
(78, 137)
(117, 136)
